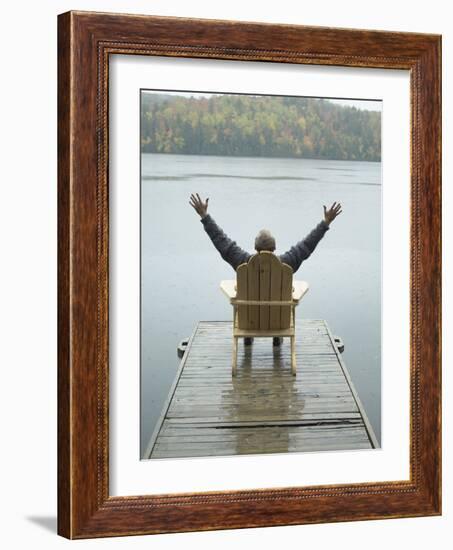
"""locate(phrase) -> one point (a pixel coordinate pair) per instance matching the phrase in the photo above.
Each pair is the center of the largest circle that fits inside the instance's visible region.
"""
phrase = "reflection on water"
(272, 439)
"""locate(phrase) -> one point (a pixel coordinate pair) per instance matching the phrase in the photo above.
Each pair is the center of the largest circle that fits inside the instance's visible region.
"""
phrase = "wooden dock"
(264, 409)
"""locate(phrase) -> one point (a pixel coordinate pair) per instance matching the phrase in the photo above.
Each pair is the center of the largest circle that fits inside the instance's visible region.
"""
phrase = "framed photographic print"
(249, 274)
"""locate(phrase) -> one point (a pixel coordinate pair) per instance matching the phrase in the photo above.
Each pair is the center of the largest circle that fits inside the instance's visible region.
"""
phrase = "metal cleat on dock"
(339, 343)
(182, 346)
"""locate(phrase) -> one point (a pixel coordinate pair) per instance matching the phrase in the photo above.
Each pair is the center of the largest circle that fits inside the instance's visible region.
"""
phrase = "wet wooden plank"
(219, 421)
(264, 409)
(219, 449)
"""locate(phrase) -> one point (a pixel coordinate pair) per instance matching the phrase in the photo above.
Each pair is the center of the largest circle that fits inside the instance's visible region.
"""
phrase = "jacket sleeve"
(229, 250)
(303, 249)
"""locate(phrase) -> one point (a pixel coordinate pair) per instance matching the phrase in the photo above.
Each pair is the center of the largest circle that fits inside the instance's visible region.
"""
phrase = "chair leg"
(235, 356)
(293, 355)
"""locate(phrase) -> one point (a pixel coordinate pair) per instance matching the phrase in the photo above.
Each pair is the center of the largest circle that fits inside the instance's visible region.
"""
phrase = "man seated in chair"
(235, 255)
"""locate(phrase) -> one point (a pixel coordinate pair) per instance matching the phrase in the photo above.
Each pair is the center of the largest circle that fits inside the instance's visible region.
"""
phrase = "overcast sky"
(364, 104)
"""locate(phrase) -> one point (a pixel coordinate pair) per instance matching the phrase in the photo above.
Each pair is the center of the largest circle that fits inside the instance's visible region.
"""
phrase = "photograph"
(260, 274)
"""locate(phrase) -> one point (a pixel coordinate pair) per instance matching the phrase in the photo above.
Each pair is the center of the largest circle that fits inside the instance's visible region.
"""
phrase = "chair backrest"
(264, 277)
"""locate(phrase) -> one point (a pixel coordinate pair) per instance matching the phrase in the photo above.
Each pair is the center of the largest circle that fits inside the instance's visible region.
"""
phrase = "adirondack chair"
(264, 297)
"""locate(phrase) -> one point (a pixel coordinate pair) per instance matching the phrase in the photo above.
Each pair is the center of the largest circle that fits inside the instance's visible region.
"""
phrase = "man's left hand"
(198, 205)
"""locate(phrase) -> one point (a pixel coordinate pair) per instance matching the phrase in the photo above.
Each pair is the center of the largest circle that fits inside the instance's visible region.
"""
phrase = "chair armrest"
(300, 288)
(228, 288)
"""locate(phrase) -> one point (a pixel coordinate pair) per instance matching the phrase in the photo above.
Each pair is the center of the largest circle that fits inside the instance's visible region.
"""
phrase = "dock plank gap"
(264, 409)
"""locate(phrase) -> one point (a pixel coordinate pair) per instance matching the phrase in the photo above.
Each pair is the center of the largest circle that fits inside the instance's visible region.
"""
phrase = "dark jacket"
(235, 255)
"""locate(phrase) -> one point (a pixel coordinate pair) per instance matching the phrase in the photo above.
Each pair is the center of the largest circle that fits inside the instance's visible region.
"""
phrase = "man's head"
(264, 241)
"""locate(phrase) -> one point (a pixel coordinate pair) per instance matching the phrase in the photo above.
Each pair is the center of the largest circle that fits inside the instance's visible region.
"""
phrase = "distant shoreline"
(259, 157)
(264, 126)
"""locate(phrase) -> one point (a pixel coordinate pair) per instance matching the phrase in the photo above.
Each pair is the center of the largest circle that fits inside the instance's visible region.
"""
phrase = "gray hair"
(264, 241)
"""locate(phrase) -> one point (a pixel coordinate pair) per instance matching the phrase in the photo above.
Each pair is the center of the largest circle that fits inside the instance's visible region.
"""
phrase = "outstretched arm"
(303, 249)
(229, 250)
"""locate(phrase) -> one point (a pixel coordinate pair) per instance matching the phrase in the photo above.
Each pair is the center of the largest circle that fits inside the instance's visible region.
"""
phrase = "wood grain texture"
(85, 42)
(241, 294)
(64, 367)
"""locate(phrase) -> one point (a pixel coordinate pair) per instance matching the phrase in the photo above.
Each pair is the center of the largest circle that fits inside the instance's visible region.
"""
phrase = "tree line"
(258, 126)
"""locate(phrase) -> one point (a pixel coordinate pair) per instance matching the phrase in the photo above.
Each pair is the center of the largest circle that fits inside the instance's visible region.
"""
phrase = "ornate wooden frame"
(85, 41)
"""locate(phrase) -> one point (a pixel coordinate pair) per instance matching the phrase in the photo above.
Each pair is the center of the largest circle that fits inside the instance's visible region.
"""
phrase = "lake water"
(181, 269)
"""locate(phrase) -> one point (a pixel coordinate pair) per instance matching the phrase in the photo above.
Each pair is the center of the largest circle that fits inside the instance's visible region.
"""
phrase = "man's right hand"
(198, 205)
(332, 213)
